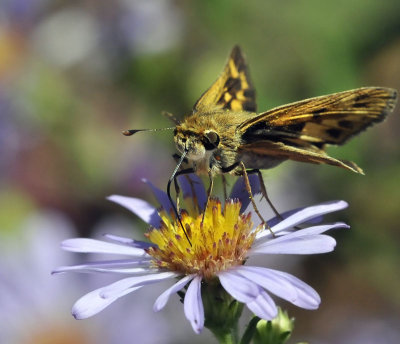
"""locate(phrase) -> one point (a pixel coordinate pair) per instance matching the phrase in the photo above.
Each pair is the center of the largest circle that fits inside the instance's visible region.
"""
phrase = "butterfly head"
(197, 144)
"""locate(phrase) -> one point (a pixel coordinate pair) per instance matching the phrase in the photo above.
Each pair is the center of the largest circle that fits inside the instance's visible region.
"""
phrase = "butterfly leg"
(264, 191)
(177, 192)
(194, 199)
(209, 191)
(176, 185)
(248, 189)
(173, 178)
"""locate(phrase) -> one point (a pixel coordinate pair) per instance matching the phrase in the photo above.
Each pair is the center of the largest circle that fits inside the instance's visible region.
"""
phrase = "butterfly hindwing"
(331, 119)
(267, 150)
(233, 90)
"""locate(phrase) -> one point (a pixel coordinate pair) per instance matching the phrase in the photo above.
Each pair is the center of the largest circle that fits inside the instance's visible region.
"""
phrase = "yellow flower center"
(221, 241)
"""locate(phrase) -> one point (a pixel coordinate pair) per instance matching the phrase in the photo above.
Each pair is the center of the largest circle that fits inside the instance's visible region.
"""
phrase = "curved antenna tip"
(129, 132)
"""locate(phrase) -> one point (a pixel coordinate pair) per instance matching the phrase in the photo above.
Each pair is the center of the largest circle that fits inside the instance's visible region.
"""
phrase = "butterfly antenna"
(171, 117)
(130, 132)
(169, 193)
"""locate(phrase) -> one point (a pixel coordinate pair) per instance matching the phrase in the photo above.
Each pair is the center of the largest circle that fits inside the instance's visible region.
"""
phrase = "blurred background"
(73, 74)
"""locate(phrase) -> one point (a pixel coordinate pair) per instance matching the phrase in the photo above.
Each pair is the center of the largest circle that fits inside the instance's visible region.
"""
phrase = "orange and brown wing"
(233, 90)
(330, 119)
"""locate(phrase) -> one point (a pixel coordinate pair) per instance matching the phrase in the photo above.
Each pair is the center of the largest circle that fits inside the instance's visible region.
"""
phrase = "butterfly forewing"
(331, 119)
(233, 90)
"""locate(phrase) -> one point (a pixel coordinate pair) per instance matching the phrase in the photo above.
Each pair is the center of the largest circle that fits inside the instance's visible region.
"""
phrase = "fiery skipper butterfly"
(225, 134)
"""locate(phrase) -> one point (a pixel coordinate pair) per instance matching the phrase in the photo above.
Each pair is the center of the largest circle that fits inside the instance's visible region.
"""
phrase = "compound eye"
(211, 140)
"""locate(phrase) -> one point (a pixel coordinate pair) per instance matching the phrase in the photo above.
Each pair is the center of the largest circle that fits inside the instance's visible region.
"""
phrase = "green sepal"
(275, 331)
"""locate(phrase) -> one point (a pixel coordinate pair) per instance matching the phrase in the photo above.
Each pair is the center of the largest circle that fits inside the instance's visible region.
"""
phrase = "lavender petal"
(125, 271)
(284, 285)
(92, 303)
(105, 266)
(266, 279)
(275, 220)
(239, 287)
(139, 207)
(193, 189)
(164, 297)
(130, 242)
(313, 230)
(85, 245)
(307, 297)
(193, 305)
(305, 215)
(309, 244)
(117, 288)
(239, 190)
(161, 196)
(263, 306)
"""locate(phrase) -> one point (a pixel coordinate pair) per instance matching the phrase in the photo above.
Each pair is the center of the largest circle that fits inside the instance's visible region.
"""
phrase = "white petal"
(305, 215)
(267, 279)
(115, 289)
(307, 297)
(284, 285)
(126, 271)
(309, 244)
(164, 297)
(92, 303)
(313, 230)
(139, 207)
(247, 291)
(193, 305)
(161, 196)
(105, 266)
(263, 306)
(239, 287)
(85, 245)
(128, 241)
(275, 220)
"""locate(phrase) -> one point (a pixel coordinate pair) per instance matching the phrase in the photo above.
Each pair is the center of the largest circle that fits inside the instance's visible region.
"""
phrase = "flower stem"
(222, 313)
(227, 338)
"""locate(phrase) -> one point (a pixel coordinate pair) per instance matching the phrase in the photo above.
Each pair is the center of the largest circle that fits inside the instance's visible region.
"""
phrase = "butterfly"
(224, 134)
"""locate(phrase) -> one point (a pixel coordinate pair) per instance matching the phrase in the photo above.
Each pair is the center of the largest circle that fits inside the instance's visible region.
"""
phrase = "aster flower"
(219, 249)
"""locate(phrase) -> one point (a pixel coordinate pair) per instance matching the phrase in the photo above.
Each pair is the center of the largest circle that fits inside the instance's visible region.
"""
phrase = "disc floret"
(219, 242)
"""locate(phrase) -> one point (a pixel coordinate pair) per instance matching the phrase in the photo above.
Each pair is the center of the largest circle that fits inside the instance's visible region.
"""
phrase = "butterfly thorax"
(210, 139)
